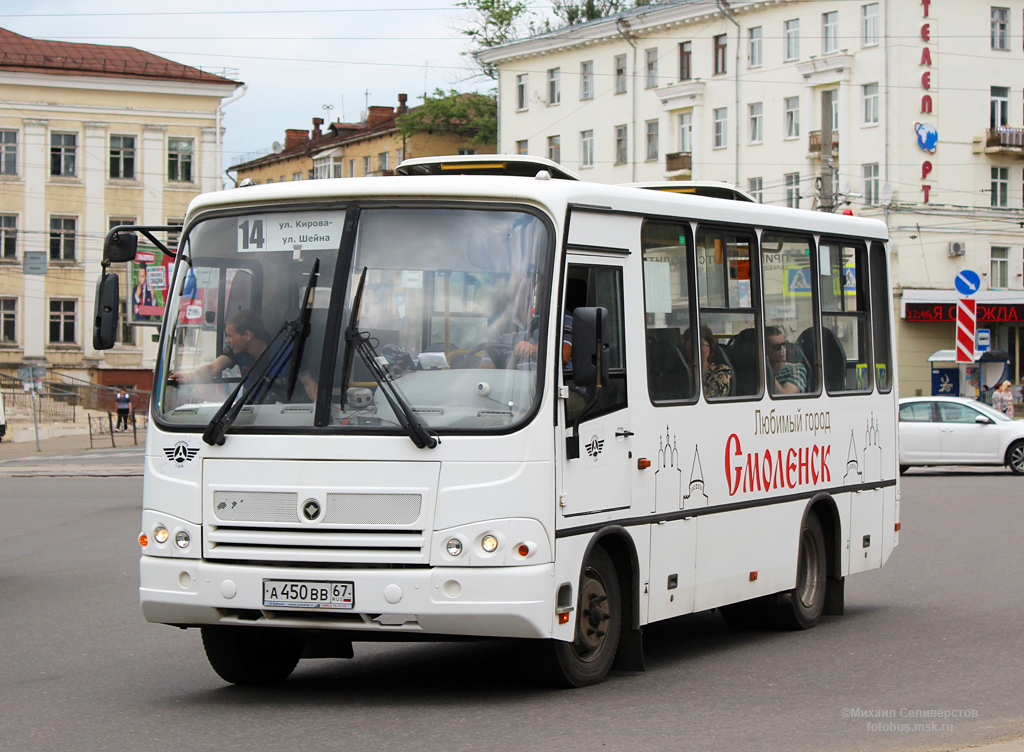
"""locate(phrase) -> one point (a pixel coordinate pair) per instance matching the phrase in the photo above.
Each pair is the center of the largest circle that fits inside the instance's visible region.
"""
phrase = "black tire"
(1015, 458)
(801, 607)
(587, 659)
(749, 615)
(252, 655)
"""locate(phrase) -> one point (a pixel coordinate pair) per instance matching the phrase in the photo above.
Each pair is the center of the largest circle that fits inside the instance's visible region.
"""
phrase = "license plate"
(306, 594)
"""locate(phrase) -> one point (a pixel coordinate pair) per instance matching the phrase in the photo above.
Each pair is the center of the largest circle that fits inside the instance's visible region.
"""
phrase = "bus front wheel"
(252, 655)
(587, 659)
(801, 607)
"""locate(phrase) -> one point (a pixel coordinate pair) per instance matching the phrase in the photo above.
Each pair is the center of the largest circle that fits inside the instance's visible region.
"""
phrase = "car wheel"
(1015, 457)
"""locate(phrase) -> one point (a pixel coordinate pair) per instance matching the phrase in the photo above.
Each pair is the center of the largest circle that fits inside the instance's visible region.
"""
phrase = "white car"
(958, 431)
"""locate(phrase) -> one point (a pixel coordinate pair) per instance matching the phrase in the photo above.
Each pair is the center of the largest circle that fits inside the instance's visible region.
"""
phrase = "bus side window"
(728, 303)
(790, 335)
(880, 312)
(846, 337)
(672, 373)
(596, 285)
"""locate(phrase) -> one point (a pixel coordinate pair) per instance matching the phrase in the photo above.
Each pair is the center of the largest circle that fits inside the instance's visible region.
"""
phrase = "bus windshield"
(448, 317)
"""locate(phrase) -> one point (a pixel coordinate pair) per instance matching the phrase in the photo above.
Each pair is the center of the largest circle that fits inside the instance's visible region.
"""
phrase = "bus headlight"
(182, 539)
(160, 534)
(453, 547)
(489, 544)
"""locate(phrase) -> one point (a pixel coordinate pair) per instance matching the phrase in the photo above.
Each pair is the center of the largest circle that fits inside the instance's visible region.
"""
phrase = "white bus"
(509, 406)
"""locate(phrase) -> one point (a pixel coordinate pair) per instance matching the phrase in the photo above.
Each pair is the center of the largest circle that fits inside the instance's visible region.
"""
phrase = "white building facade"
(921, 102)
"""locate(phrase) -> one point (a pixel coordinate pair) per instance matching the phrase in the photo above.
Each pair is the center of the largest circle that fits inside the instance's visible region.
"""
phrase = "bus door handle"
(623, 433)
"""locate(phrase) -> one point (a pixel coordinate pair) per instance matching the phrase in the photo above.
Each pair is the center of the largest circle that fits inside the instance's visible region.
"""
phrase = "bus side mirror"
(108, 306)
(120, 246)
(589, 340)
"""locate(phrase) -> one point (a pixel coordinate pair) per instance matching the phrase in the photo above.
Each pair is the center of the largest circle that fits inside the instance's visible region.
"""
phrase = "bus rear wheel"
(252, 655)
(587, 659)
(801, 607)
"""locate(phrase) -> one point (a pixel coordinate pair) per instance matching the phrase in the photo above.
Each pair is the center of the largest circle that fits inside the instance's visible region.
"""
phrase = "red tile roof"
(72, 58)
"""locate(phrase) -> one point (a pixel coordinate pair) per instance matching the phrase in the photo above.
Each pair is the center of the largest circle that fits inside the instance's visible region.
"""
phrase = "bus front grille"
(322, 545)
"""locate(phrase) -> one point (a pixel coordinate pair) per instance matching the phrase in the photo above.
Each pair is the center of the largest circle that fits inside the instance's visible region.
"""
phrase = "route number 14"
(251, 235)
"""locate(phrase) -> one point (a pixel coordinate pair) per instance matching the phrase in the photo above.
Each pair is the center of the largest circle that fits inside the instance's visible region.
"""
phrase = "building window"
(464, 152)
(830, 31)
(587, 80)
(793, 190)
(296, 176)
(870, 172)
(999, 274)
(522, 147)
(8, 237)
(1000, 28)
(621, 145)
(720, 49)
(179, 160)
(686, 132)
(382, 161)
(338, 169)
(586, 148)
(756, 122)
(113, 222)
(173, 236)
(8, 152)
(62, 322)
(792, 117)
(754, 51)
(366, 165)
(321, 168)
(792, 32)
(833, 123)
(870, 104)
(869, 33)
(8, 321)
(521, 91)
(721, 118)
(63, 150)
(652, 140)
(685, 61)
(351, 168)
(555, 86)
(122, 157)
(126, 332)
(555, 148)
(620, 74)
(1000, 187)
(755, 187)
(999, 106)
(651, 67)
(62, 238)
(400, 154)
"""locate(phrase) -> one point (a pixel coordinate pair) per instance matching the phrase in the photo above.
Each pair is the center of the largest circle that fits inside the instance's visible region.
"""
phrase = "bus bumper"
(466, 601)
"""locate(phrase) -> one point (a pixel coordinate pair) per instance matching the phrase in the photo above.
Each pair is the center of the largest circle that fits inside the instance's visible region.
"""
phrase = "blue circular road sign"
(967, 282)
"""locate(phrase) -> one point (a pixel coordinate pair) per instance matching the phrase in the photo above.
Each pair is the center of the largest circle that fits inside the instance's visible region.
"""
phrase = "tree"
(473, 116)
(497, 22)
(577, 11)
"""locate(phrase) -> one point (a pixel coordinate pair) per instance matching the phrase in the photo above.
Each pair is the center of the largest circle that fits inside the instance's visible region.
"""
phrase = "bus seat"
(744, 353)
(833, 359)
(668, 375)
(797, 352)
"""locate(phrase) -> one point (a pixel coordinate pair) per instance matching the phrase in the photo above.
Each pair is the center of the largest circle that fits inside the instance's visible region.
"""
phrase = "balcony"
(1004, 140)
(814, 143)
(680, 161)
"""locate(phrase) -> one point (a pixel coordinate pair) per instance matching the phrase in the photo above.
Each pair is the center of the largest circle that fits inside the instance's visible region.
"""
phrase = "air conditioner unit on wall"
(956, 248)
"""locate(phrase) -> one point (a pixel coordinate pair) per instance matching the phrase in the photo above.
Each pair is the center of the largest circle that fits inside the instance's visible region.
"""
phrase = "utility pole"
(827, 196)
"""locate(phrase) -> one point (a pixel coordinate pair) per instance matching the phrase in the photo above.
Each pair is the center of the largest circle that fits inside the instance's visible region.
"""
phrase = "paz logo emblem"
(594, 447)
(311, 509)
(180, 453)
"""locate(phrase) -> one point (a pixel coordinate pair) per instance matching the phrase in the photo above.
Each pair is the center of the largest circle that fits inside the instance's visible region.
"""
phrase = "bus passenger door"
(598, 479)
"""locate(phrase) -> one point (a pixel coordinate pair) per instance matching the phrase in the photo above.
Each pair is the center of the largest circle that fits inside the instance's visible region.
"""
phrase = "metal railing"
(814, 141)
(1004, 136)
(56, 407)
(92, 396)
(101, 426)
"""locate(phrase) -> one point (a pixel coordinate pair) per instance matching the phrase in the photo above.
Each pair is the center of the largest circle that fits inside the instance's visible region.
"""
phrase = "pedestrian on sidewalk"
(124, 409)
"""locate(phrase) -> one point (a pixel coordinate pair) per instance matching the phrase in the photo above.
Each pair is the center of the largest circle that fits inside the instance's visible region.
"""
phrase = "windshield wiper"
(360, 342)
(266, 369)
(303, 333)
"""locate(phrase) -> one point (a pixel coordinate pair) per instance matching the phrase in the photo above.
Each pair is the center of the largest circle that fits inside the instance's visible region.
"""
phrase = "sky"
(297, 57)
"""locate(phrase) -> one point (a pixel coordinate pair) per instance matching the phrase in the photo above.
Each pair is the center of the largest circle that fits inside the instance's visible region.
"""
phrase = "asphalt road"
(937, 631)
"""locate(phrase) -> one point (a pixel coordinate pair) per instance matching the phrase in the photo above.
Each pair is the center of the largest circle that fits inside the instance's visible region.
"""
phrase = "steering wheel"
(498, 352)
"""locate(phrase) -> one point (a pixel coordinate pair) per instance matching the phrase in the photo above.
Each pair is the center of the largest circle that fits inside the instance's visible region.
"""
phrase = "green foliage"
(577, 11)
(472, 116)
(496, 22)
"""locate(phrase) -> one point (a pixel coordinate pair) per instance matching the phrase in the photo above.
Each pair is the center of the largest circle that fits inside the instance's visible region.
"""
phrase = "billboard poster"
(149, 280)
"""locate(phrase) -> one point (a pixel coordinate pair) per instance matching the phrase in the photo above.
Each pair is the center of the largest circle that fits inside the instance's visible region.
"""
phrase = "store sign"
(996, 313)
(926, 134)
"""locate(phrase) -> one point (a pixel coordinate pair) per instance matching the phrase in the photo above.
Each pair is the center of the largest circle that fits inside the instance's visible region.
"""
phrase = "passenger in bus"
(716, 377)
(245, 340)
(787, 378)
